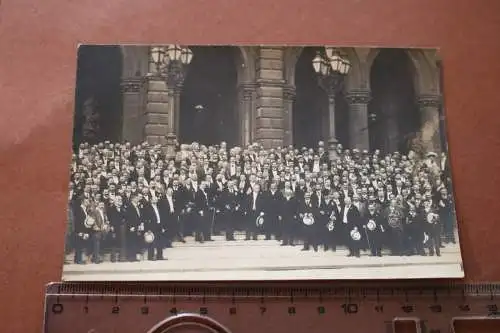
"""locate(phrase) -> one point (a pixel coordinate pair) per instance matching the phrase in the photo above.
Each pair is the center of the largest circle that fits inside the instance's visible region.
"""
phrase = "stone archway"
(98, 103)
(162, 124)
(354, 95)
(426, 82)
(426, 77)
(396, 118)
(208, 110)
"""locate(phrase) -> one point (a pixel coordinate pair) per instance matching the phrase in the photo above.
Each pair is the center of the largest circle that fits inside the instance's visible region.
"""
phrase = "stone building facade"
(265, 93)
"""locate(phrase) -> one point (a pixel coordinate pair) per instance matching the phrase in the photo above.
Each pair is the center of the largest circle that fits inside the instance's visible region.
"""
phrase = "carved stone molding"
(132, 85)
(358, 97)
(289, 93)
(247, 90)
(425, 101)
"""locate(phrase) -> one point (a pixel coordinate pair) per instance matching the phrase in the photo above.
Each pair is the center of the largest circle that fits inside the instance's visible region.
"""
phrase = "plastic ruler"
(264, 307)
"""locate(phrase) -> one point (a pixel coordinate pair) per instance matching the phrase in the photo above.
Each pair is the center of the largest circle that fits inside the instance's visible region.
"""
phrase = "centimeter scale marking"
(102, 308)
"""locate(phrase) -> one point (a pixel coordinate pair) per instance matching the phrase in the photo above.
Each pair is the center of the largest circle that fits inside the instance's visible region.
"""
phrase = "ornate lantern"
(186, 56)
(174, 52)
(158, 56)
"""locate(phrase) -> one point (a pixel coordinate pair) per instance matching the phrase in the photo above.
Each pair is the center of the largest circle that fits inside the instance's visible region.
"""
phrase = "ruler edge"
(467, 289)
(348, 289)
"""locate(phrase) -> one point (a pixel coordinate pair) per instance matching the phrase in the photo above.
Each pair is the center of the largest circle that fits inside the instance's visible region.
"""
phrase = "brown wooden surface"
(38, 42)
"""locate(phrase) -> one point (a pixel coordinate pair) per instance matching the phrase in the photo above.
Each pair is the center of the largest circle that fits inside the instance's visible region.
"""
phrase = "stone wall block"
(156, 129)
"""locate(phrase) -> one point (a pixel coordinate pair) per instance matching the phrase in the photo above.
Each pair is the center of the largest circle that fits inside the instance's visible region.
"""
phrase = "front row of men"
(129, 229)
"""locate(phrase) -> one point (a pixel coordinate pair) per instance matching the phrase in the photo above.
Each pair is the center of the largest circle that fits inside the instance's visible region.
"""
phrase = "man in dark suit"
(81, 232)
(323, 156)
(317, 197)
(351, 227)
(329, 216)
(274, 200)
(99, 231)
(394, 216)
(204, 216)
(135, 226)
(156, 222)
(413, 230)
(170, 207)
(446, 215)
(374, 228)
(189, 218)
(288, 214)
(230, 209)
(255, 207)
(118, 230)
(308, 216)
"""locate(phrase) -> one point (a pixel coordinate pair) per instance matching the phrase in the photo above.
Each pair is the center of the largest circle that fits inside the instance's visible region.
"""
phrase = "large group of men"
(127, 200)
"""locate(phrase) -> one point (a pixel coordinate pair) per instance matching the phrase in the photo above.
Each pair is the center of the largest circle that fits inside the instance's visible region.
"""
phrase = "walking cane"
(213, 221)
(367, 237)
(180, 229)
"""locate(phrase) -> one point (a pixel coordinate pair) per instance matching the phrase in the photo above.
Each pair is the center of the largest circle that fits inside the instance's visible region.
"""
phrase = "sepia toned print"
(259, 163)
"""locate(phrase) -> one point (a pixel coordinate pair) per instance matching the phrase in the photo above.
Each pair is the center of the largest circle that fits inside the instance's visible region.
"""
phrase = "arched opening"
(310, 108)
(208, 106)
(98, 102)
(393, 110)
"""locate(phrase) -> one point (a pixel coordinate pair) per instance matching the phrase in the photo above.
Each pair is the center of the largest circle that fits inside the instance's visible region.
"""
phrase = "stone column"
(158, 108)
(358, 118)
(289, 97)
(158, 111)
(332, 135)
(133, 114)
(174, 117)
(428, 137)
(246, 93)
(269, 117)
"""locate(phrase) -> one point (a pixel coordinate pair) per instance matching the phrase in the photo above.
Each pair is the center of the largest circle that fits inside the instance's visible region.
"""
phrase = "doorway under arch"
(208, 101)
(98, 103)
(393, 110)
(310, 116)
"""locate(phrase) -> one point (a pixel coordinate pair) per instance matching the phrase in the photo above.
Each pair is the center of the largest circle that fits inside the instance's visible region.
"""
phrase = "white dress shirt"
(346, 210)
(171, 203)
(155, 208)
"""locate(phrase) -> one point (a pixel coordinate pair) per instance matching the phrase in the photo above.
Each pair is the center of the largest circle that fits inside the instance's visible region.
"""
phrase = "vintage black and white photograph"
(196, 162)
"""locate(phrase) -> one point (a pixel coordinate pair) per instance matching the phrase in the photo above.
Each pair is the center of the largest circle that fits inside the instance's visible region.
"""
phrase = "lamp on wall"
(332, 67)
(171, 62)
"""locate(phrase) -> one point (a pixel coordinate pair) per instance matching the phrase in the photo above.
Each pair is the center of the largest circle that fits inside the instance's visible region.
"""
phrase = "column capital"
(289, 92)
(429, 100)
(247, 89)
(132, 84)
(361, 96)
